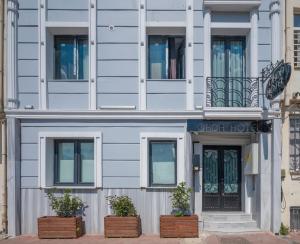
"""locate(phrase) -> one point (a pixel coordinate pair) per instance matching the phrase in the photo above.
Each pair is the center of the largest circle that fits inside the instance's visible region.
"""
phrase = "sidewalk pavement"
(204, 238)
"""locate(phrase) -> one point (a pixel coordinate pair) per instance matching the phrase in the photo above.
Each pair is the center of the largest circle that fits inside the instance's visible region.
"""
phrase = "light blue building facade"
(134, 96)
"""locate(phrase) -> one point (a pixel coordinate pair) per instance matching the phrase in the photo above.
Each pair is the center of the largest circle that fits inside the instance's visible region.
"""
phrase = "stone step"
(229, 226)
(224, 217)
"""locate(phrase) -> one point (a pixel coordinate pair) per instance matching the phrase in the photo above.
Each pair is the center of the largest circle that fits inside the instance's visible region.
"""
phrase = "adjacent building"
(134, 96)
(291, 119)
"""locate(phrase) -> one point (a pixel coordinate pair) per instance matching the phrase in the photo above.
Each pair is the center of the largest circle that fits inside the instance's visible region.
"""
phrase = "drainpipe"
(3, 207)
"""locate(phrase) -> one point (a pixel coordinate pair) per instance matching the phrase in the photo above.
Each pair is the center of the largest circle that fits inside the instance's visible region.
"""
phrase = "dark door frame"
(221, 193)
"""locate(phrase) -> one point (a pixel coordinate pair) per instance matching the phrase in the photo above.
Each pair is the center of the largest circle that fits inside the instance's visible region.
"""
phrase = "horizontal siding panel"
(198, 84)
(198, 18)
(117, 85)
(29, 182)
(166, 102)
(264, 36)
(28, 85)
(31, 99)
(198, 51)
(121, 152)
(120, 18)
(117, 100)
(198, 4)
(198, 99)
(28, 4)
(68, 15)
(27, 34)
(198, 67)
(264, 52)
(29, 168)
(264, 19)
(28, 51)
(121, 168)
(119, 182)
(198, 34)
(166, 86)
(165, 4)
(117, 68)
(69, 87)
(28, 17)
(29, 151)
(28, 67)
(117, 51)
(71, 101)
(117, 4)
(167, 16)
(67, 4)
(118, 35)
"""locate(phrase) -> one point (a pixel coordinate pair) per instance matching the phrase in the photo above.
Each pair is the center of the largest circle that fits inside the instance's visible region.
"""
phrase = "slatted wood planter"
(178, 227)
(126, 227)
(52, 227)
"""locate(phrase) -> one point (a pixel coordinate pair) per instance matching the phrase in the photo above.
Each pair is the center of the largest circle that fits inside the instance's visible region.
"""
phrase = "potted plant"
(66, 224)
(181, 223)
(125, 222)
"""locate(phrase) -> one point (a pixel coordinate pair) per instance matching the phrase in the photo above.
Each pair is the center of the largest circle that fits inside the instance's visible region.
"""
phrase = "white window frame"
(145, 138)
(46, 157)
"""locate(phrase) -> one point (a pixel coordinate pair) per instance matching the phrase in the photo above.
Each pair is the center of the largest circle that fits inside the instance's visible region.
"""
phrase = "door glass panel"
(87, 162)
(231, 180)
(66, 162)
(211, 171)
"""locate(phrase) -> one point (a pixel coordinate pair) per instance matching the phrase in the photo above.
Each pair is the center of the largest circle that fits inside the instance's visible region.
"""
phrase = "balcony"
(232, 92)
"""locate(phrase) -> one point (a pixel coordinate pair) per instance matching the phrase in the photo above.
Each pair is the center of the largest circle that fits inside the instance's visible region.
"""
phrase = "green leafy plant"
(66, 205)
(122, 206)
(284, 230)
(181, 200)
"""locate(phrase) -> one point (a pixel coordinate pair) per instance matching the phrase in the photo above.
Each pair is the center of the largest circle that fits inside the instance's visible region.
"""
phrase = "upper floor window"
(71, 57)
(295, 144)
(166, 57)
(297, 40)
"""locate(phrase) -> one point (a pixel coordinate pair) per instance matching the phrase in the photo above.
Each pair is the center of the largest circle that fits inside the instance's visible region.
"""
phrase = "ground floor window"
(295, 218)
(162, 159)
(74, 162)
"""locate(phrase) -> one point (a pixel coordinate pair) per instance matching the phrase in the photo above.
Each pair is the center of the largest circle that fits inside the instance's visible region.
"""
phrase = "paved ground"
(205, 238)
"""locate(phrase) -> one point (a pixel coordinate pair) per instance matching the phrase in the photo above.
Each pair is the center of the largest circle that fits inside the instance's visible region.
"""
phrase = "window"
(71, 57)
(166, 57)
(295, 218)
(297, 40)
(70, 159)
(162, 160)
(295, 144)
(74, 162)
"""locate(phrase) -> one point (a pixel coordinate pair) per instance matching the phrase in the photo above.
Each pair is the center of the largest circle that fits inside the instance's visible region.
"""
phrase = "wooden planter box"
(122, 226)
(52, 227)
(179, 227)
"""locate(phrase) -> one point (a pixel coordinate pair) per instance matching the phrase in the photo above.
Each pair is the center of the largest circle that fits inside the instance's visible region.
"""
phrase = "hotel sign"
(229, 126)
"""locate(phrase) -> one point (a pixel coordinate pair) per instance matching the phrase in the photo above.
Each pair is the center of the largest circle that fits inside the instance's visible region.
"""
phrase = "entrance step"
(228, 222)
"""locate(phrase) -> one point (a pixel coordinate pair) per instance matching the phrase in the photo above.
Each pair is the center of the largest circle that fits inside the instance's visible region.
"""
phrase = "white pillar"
(189, 55)
(142, 56)
(275, 19)
(11, 44)
(207, 52)
(253, 44)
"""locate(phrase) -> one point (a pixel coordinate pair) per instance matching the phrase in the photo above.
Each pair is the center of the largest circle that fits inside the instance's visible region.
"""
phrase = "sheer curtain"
(218, 70)
(236, 69)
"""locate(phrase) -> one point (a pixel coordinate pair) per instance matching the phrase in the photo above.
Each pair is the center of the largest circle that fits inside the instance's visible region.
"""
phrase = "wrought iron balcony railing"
(232, 92)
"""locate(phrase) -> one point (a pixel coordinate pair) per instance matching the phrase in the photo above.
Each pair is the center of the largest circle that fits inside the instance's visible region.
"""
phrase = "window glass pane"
(87, 162)
(166, 57)
(163, 163)
(64, 58)
(83, 58)
(66, 162)
(296, 20)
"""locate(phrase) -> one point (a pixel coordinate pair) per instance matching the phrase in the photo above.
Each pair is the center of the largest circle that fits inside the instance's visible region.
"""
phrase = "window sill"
(71, 187)
(159, 187)
(183, 80)
(68, 80)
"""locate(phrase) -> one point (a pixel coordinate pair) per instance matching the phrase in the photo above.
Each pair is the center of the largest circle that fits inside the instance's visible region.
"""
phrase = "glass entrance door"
(221, 178)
